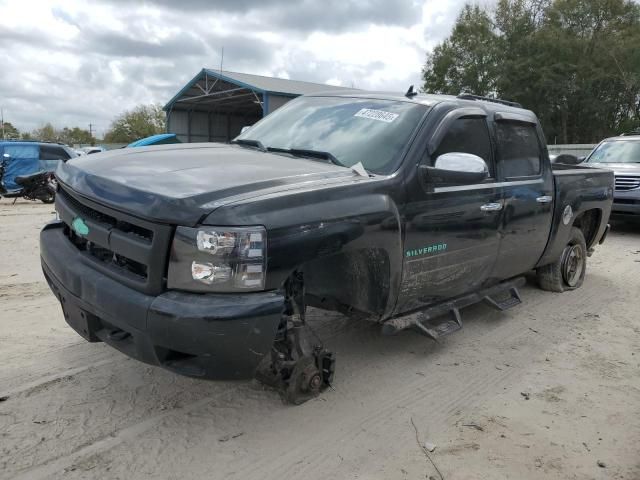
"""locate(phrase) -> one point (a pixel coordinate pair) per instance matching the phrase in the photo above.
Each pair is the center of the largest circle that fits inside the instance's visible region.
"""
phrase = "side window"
(53, 152)
(467, 135)
(518, 150)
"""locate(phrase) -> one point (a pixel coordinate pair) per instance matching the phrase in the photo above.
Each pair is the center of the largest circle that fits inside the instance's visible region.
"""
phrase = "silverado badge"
(79, 226)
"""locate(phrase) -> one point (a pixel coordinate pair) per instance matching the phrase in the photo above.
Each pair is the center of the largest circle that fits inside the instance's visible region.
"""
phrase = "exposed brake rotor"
(299, 367)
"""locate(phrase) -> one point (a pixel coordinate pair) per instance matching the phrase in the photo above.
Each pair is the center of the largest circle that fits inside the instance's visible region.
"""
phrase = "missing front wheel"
(299, 366)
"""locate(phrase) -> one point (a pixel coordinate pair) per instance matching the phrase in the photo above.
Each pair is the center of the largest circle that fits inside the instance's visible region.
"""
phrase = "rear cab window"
(518, 150)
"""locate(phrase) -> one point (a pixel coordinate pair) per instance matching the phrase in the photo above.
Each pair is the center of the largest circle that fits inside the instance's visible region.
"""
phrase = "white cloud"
(71, 62)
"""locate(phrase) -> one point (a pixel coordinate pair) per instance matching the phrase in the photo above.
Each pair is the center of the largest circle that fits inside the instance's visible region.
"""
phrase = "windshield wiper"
(303, 152)
(250, 143)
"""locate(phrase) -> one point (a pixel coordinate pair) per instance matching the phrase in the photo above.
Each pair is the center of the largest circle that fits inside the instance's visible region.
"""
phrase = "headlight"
(218, 259)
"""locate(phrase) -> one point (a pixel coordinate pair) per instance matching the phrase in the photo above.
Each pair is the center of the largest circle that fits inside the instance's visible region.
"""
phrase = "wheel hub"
(572, 265)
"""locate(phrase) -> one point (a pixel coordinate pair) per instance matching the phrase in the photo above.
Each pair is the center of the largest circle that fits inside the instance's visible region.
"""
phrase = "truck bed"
(583, 189)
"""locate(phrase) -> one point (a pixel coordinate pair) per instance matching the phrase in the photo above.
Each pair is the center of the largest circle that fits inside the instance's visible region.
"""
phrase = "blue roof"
(257, 83)
(152, 140)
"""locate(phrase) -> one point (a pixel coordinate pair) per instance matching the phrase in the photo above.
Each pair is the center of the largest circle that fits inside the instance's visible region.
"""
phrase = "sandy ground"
(549, 389)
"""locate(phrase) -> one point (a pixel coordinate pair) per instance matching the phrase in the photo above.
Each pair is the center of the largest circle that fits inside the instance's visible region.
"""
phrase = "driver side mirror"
(456, 168)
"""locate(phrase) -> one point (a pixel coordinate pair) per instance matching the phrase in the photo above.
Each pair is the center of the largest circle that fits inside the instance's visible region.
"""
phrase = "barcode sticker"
(379, 115)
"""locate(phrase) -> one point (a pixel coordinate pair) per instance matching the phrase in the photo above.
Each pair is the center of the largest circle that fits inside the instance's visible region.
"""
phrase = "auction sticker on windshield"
(373, 114)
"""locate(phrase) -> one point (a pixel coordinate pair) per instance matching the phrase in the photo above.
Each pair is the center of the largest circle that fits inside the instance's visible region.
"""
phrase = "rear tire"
(48, 198)
(49, 192)
(567, 272)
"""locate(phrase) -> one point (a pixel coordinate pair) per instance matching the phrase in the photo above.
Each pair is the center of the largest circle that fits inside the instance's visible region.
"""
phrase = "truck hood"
(180, 184)
(618, 168)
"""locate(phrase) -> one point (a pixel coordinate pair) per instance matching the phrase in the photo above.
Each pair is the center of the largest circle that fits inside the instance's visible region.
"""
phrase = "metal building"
(215, 105)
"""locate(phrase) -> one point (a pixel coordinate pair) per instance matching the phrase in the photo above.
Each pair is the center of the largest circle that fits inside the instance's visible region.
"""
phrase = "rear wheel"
(50, 198)
(566, 273)
(49, 193)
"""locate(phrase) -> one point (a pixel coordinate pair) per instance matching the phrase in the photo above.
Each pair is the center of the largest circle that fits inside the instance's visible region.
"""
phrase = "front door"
(451, 238)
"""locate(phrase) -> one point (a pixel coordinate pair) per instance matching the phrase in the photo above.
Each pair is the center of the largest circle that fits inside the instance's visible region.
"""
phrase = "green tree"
(46, 133)
(142, 121)
(467, 61)
(75, 135)
(591, 46)
(576, 63)
(9, 131)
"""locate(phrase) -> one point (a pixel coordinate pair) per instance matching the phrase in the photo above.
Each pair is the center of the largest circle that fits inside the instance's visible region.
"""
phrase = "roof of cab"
(430, 100)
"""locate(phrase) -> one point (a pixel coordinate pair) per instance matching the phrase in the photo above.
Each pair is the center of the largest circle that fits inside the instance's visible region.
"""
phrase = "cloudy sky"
(72, 62)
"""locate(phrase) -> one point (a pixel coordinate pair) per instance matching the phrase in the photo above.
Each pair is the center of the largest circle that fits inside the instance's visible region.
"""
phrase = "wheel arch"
(589, 222)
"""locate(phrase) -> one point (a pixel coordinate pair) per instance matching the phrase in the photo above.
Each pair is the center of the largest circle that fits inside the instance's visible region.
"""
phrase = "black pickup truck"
(202, 258)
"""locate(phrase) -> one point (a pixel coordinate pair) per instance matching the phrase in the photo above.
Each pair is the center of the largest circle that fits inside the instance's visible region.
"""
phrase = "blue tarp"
(23, 160)
(160, 139)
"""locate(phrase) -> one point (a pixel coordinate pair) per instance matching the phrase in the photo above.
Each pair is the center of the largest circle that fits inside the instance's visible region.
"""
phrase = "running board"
(430, 323)
(506, 303)
(435, 328)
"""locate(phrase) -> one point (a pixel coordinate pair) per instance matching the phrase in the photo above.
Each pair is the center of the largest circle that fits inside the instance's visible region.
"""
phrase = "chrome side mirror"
(457, 168)
(461, 162)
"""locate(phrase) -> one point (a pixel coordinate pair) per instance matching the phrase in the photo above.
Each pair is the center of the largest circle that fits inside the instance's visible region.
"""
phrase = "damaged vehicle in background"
(203, 258)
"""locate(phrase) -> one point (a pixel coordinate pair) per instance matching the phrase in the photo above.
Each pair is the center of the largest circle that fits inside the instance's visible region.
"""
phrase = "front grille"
(88, 212)
(624, 183)
(109, 258)
(127, 248)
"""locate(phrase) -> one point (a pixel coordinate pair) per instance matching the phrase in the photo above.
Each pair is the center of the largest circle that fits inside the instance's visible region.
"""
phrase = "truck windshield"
(616, 151)
(351, 130)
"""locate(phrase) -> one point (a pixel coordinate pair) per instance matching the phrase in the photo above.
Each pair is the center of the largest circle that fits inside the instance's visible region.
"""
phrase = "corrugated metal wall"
(208, 126)
(276, 101)
(202, 126)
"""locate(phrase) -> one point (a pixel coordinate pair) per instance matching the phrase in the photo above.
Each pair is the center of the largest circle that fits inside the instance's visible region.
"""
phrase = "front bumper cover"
(214, 336)
(626, 204)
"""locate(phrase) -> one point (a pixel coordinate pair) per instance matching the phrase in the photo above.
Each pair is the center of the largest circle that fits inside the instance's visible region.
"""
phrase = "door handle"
(491, 207)
(544, 199)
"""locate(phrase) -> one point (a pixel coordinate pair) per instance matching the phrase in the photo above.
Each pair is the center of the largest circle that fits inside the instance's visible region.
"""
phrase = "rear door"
(525, 170)
(451, 238)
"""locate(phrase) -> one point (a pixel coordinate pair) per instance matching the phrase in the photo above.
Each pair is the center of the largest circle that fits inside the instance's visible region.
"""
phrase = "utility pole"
(2, 122)
(91, 130)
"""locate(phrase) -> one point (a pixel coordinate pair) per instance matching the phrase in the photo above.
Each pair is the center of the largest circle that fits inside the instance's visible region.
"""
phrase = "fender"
(345, 239)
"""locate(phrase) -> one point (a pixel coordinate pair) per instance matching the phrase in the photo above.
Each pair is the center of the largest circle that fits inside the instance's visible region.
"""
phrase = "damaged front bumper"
(214, 336)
